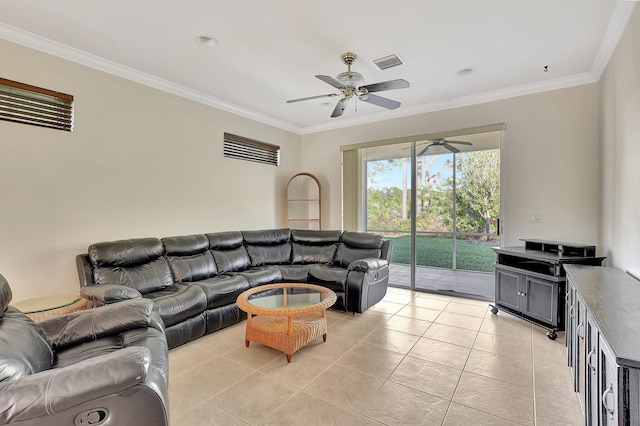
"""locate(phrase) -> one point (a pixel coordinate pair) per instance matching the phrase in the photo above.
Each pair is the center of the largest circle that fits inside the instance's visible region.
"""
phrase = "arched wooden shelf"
(304, 202)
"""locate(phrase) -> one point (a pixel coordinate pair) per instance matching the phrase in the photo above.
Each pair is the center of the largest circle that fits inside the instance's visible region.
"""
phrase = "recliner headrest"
(135, 251)
(5, 294)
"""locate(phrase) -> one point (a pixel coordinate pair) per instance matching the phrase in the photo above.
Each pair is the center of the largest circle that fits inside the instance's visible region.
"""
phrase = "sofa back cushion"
(233, 260)
(305, 254)
(137, 263)
(145, 278)
(24, 350)
(312, 237)
(185, 245)
(358, 245)
(309, 246)
(268, 247)
(125, 252)
(5, 294)
(189, 257)
(192, 268)
(225, 240)
(228, 252)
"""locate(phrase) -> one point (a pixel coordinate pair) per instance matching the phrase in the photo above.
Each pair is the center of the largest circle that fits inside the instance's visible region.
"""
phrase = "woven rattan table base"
(286, 327)
(274, 332)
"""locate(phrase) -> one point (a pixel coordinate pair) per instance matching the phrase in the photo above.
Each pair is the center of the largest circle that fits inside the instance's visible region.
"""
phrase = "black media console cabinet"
(530, 280)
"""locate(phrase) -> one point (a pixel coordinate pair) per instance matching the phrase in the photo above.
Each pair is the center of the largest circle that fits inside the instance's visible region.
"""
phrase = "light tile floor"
(414, 358)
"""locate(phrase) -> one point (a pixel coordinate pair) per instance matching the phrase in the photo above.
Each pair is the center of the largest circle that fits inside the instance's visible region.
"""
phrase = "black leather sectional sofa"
(194, 280)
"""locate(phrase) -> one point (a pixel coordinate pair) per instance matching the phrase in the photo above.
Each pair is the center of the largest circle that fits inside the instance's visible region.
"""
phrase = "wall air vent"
(242, 148)
(387, 62)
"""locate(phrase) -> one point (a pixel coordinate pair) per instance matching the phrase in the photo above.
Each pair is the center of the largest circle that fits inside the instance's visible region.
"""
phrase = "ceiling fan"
(443, 143)
(350, 84)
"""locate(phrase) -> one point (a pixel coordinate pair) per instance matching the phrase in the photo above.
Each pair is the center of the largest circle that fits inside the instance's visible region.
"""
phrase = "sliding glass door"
(439, 200)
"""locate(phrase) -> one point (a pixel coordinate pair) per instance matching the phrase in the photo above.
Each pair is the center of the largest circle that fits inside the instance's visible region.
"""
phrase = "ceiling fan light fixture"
(350, 79)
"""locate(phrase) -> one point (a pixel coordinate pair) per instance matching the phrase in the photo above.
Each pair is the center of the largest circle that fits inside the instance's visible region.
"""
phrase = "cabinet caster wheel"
(494, 310)
(552, 335)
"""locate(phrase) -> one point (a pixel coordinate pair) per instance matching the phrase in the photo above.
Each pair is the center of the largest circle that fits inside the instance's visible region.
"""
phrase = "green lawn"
(436, 252)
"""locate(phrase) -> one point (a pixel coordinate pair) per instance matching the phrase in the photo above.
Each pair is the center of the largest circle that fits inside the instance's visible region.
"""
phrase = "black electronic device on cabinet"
(530, 280)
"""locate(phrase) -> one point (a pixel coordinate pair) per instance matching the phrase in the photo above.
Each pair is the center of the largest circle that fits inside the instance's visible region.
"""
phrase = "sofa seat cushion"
(332, 277)
(261, 275)
(294, 273)
(223, 289)
(178, 302)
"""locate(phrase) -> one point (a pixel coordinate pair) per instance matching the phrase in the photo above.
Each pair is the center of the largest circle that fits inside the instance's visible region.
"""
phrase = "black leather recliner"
(104, 366)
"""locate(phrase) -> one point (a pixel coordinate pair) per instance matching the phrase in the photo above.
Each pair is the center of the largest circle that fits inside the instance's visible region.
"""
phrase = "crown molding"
(617, 24)
(619, 19)
(479, 98)
(60, 50)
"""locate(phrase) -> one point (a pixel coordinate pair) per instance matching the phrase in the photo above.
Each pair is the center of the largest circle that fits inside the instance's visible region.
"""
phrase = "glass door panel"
(388, 204)
(434, 207)
(477, 209)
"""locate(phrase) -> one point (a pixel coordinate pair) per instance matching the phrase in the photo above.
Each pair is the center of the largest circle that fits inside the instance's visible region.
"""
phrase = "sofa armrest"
(85, 272)
(367, 281)
(92, 324)
(108, 293)
(366, 265)
(58, 389)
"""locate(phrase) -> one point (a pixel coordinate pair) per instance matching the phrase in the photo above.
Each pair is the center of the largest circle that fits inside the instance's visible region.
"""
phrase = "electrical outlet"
(534, 218)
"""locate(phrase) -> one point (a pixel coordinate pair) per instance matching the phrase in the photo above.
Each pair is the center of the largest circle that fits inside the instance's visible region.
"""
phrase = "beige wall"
(550, 159)
(125, 173)
(620, 152)
(140, 162)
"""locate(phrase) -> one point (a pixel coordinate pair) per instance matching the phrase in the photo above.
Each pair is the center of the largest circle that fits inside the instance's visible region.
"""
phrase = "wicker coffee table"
(287, 316)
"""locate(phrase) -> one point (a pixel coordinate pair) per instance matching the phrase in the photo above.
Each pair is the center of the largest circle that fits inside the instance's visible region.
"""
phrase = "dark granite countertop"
(613, 299)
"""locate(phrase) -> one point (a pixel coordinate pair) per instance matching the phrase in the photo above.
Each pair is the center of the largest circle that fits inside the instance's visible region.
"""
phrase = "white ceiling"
(270, 51)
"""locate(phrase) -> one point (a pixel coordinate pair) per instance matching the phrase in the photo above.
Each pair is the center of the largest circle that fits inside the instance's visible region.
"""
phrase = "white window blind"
(242, 148)
(23, 103)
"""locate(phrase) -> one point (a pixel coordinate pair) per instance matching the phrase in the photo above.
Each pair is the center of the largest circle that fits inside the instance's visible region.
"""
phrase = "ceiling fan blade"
(340, 107)
(330, 80)
(421, 153)
(451, 148)
(386, 85)
(459, 142)
(312, 97)
(417, 145)
(380, 101)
